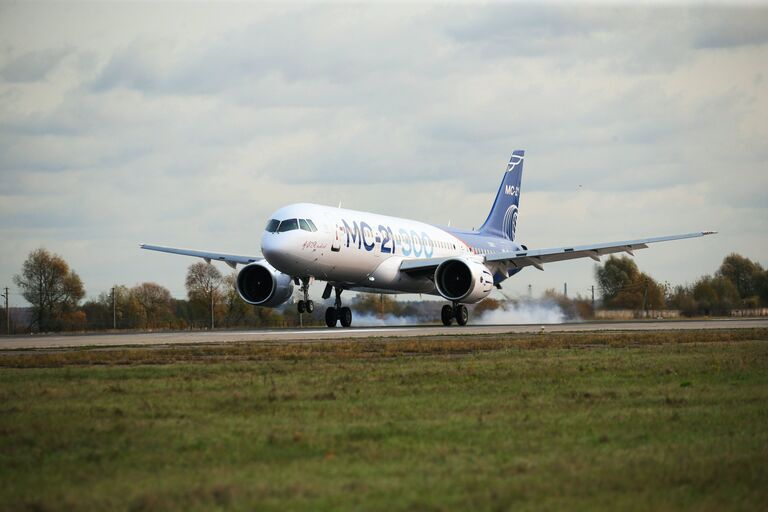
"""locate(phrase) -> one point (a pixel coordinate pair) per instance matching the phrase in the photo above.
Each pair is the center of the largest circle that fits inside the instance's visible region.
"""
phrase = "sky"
(187, 124)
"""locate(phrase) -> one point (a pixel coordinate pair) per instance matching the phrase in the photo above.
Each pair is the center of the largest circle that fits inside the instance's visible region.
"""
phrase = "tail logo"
(509, 224)
(514, 161)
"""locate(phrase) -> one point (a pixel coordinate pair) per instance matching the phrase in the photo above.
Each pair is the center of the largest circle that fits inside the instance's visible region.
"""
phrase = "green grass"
(657, 421)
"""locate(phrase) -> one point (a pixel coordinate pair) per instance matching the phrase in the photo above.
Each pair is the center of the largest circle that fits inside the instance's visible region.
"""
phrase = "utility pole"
(114, 309)
(593, 296)
(211, 309)
(645, 295)
(7, 312)
(565, 289)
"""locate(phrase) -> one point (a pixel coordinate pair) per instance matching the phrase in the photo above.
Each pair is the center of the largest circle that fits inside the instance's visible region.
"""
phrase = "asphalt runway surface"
(316, 333)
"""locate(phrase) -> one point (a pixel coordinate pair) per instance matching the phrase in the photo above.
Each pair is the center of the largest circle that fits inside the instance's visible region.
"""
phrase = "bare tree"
(53, 289)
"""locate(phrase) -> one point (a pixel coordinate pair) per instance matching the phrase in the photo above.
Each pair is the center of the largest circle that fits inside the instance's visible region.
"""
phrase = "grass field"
(635, 421)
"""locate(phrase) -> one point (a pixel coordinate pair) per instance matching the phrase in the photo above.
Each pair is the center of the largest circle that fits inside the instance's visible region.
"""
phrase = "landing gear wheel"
(305, 305)
(462, 315)
(345, 316)
(446, 315)
(331, 317)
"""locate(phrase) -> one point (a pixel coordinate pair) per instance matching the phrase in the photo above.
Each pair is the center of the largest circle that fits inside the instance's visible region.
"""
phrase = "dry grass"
(631, 421)
(365, 348)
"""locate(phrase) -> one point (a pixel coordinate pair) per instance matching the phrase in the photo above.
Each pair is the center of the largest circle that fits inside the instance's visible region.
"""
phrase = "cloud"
(190, 126)
(312, 45)
(732, 28)
(32, 66)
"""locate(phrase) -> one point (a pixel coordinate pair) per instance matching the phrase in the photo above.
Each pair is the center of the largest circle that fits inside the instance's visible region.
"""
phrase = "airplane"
(367, 252)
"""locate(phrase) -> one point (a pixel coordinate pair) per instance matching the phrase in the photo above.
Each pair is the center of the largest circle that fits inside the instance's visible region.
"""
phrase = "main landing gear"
(457, 311)
(337, 313)
(305, 305)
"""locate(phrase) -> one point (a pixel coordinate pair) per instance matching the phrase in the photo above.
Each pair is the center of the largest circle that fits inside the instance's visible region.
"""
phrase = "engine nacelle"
(463, 280)
(261, 284)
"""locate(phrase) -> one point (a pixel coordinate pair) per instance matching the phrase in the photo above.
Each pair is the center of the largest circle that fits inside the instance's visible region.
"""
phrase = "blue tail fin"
(502, 221)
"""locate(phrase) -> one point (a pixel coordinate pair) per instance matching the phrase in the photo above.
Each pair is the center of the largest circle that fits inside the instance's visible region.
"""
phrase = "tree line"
(55, 293)
(739, 283)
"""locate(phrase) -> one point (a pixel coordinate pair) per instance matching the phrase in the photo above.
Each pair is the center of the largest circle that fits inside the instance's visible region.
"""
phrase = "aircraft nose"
(280, 250)
(271, 246)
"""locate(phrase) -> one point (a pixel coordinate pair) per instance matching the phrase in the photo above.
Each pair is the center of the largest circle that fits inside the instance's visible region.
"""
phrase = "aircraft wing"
(230, 259)
(421, 268)
(538, 257)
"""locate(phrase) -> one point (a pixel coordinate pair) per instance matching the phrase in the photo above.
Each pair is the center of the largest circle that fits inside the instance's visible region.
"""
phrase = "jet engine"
(463, 280)
(261, 284)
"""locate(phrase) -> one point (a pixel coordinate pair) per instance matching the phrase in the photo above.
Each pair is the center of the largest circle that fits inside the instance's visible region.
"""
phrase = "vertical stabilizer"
(502, 220)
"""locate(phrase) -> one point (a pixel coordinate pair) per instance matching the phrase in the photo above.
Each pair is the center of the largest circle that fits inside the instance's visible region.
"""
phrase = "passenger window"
(272, 225)
(312, 226)
(304, 225)
(288, 225)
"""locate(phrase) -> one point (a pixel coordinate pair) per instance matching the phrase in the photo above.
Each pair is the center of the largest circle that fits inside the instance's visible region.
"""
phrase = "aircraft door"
(337, 233)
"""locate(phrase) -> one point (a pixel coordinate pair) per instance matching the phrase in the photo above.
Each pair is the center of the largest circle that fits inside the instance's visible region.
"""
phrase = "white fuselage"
(358, 249)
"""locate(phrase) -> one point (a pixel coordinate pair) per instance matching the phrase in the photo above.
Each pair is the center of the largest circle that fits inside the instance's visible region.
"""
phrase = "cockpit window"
(303, 225)
(288, 225)
(311, 225)
(272, 225)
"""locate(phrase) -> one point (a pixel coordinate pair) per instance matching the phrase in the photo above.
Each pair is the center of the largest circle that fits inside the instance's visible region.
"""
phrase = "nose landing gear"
(337, 313)
(457, 311)
(305, 305)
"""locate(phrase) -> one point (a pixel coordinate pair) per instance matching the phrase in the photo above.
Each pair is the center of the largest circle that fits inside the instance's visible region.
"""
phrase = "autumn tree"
(485, 305)
(204, 291)
(715, 295)
(236, 310)
(746, 275)
(152, 305)
(111, 308)
(377, 304)
(53, 290)
(762, 287)
(623, 286)
(681, 297)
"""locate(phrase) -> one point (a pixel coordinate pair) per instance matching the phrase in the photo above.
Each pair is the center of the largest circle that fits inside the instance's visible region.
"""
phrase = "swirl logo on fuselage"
(509, 224)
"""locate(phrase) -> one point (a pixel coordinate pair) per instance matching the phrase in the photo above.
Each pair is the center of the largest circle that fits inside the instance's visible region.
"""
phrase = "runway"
(308, 334)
